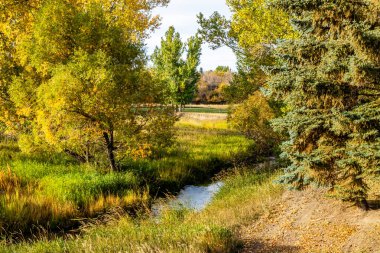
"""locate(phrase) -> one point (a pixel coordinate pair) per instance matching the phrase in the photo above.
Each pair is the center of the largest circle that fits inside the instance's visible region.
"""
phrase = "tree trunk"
(110, 148)
(87, 152)
(363, 204)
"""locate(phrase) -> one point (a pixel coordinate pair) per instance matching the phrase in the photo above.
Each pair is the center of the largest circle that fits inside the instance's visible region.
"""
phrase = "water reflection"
(192, 197)
(196, 197)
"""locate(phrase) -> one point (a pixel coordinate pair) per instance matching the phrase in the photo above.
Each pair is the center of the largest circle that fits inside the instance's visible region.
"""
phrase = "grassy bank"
(244, 197)
(52, 192)
(206, 108)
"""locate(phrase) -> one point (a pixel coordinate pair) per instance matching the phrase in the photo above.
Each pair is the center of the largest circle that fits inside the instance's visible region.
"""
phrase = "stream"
(191, 197)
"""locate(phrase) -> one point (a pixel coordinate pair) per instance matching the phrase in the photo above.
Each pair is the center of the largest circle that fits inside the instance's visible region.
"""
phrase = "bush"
(252, 118)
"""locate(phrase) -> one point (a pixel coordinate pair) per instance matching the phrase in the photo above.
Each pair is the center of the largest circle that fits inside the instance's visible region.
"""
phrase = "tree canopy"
(252, 33)
(212, 85)
(253, 30)
(179, 74)
(77, 80)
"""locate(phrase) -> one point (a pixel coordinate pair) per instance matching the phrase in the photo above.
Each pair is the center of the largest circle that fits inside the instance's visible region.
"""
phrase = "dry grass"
(203, 121)
(309, 221)
(246, 196)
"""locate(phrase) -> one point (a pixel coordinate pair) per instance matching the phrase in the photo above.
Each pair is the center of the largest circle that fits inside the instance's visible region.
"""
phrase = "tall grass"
(203, 148)
(56, 203)
(245, 196)
(54, 192)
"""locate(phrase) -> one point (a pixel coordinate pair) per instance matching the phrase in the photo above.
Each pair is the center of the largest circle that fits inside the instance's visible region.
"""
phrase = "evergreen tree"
(330, 80)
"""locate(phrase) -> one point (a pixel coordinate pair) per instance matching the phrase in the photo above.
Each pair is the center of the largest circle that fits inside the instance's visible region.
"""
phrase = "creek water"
(191, 197)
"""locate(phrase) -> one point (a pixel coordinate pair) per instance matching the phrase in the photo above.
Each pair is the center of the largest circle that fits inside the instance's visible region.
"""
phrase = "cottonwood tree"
(181, 75)
(212, 84)
(81, 78)
(330, 80)
(252, 33)
(14, 24)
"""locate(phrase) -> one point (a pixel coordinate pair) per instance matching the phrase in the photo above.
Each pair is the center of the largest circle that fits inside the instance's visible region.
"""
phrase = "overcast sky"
(182, 15)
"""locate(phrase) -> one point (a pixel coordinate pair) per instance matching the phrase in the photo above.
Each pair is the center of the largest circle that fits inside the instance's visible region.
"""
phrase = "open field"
(206, 108)
(45, 193)
(213, 106)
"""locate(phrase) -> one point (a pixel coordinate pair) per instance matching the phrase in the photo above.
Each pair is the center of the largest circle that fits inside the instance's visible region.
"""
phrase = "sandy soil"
(310, 221)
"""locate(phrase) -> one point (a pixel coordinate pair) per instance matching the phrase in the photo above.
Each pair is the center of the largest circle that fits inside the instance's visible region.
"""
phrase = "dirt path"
(311, 222)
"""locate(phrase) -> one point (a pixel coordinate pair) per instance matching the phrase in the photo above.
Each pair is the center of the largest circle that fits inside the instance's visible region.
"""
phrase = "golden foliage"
(252, 117)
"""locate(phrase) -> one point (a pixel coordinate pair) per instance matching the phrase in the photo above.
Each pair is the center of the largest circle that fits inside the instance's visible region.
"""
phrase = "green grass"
(203, 148)
(54, 192)
(208, 124)
(245, 196)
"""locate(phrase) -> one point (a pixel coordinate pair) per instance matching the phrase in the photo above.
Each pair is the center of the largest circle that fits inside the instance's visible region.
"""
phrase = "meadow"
(49, 195)
(204, 110)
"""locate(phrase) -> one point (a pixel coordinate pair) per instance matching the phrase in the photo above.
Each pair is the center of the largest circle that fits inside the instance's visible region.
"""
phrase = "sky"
(182, 15)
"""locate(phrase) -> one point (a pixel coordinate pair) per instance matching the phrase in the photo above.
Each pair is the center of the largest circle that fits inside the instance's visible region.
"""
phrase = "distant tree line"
(212, 85)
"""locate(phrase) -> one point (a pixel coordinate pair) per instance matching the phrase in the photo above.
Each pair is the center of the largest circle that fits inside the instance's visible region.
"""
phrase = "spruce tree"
(330, 79)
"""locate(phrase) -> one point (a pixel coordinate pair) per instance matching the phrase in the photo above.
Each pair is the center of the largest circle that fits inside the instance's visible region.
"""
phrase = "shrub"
(252, 117)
